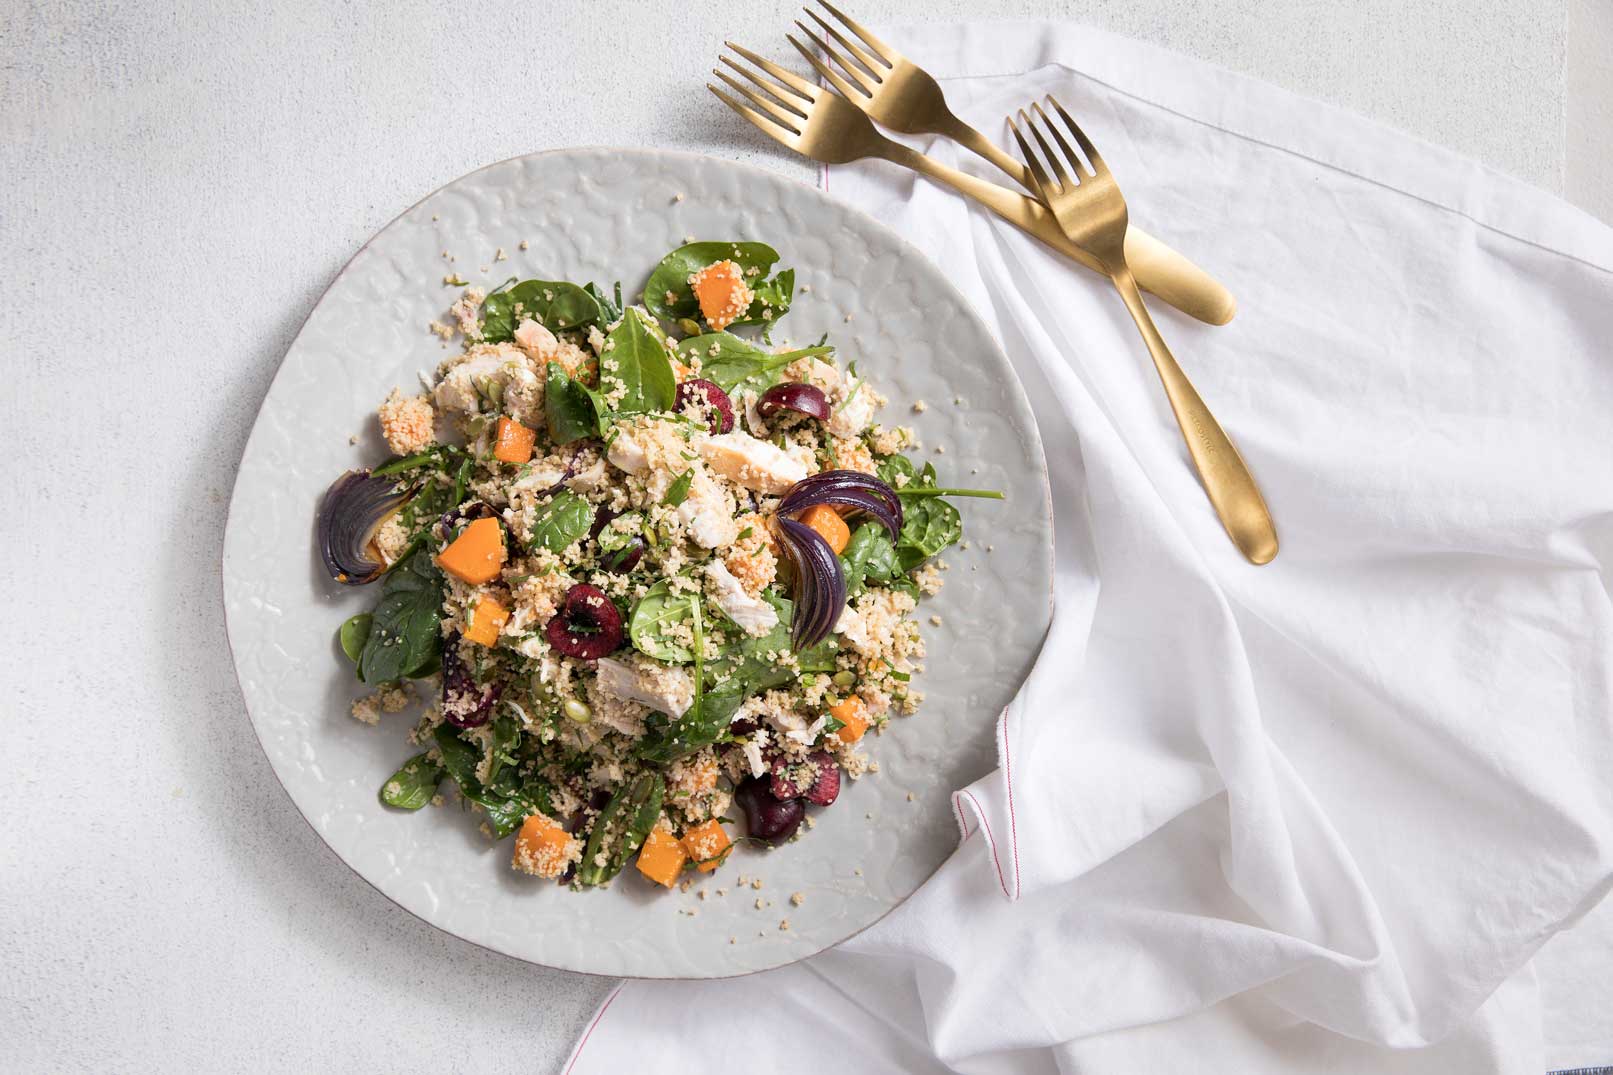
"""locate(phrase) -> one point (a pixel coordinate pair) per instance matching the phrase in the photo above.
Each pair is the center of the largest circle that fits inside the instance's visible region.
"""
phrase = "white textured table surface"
(180, 184)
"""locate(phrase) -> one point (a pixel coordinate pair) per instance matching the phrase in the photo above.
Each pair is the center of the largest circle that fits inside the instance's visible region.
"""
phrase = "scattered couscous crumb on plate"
(646, 566)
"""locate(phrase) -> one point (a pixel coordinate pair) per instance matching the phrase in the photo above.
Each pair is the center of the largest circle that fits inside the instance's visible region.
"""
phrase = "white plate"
(603, 215)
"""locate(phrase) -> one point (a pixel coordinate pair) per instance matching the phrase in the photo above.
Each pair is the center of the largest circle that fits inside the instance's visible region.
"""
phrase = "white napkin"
(1312, 816)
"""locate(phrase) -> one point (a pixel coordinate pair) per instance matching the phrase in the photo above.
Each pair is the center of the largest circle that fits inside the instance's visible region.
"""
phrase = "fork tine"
(882, 50)
(1052, 157)
(857, 74)
(801, 86)
(772, 89)
(1042, 182)
(873, 65)
(846, 89)
(1076, 164)
(1099, 168)
(769, 127)
(788, 119)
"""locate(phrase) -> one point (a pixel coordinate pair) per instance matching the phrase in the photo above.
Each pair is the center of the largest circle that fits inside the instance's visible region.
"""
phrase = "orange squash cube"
(853, 718)
(512, 441)
(543, 848)
(487, 619)
(721, 291)
(477, 555)
(829, 525)
(662, 857)
(707, 845)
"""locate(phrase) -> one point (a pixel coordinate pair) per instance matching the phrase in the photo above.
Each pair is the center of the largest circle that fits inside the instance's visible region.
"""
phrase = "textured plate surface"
(603, 215)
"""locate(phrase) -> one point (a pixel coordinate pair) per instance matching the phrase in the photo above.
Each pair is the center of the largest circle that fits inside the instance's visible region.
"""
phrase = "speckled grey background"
(178, 183)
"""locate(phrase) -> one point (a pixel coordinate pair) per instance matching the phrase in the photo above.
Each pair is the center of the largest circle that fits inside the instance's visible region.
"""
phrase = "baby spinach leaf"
(558, 305)
(772, 299)
(413, 785)
(353, 634)
(671, 279)
(735, 363)
(655, 620)
(635, 371)
(678, 491)
(566, 519)
(745, 668)
(505, 807)
(403, 638)
(621, 828)
(506, 735)
(610, 310)
(569, 407)
(869, 557)
(929, 523)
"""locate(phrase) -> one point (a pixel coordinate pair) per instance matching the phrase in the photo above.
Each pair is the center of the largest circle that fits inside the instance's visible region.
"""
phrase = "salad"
(642, 566)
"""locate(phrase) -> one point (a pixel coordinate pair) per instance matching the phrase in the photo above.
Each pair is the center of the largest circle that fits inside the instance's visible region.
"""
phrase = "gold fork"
(820, 124)
(899, 94)
(1092, 211)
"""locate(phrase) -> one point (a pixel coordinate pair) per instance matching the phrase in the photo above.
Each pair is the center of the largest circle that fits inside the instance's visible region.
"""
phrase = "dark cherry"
(802, 398)
(587, 626)
(709, 395)
(826, 788)
(766, 818)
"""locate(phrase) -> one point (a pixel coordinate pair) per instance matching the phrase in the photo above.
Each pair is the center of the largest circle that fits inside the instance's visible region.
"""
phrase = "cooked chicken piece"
(753, 463)
(852, 407)
(752, 614)
(663, 688)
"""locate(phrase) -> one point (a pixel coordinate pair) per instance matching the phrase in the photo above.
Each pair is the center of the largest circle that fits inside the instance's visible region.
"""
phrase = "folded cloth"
(1314, 816)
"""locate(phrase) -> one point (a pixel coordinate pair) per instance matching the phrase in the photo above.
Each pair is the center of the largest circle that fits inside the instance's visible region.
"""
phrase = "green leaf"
(610, 310)
(678, 491)
(568, 407)
(929, 523)
(869, 557)
(772, 299)
(635, 371)
(656, 617)
(621, 829)
(562, 522)
(505, 808)
(506, 735)
(353, 634)
(403, 638)
(558, 305)
(734, 363)
(413, 785)
(672, 276)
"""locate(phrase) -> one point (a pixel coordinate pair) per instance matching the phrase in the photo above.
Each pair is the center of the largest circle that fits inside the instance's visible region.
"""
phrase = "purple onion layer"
(848, 489)
(820, 584)
(355, 507)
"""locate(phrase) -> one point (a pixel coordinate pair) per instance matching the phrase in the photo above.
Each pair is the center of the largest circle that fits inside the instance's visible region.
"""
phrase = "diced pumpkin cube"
(543, 848)
(477, 554)
(853, 718)
(487, 619)
(829, 525)
(721, 291)
(662, 857)
(512, 441)
(707, 844)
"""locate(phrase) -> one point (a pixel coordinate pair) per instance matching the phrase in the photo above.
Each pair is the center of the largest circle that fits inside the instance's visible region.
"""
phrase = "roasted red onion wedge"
(355, 508)
(802, 398)
(820, 584)
(847, 489)
(587, 626)
(708, 394)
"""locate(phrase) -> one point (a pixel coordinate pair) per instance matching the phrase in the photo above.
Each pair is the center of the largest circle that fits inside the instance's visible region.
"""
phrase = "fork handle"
(1226, 477)
(950, 126)
(1159, 269)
